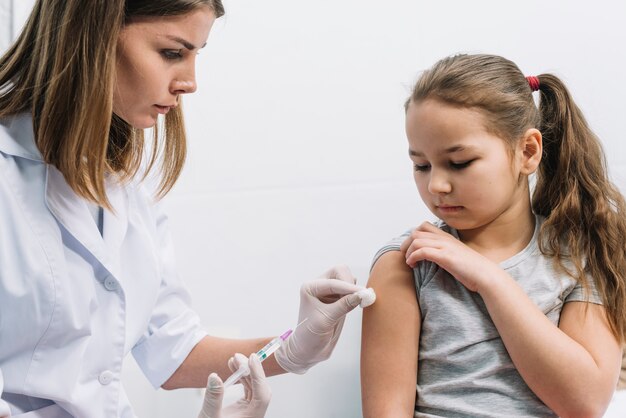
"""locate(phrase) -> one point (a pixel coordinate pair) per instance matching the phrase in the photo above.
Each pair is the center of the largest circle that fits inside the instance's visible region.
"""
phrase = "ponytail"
(585, 213)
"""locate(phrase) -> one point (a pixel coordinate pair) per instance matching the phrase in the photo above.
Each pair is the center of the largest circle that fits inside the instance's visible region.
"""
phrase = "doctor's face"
(156, 60)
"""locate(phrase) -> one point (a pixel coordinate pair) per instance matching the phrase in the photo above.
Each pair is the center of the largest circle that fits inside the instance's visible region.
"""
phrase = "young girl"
(505, 307)
(87, 270)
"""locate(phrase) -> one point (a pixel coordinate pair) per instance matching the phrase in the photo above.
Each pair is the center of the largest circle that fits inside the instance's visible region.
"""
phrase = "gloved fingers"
(339, 272)
(329, 291)
(338, 310)
(213, 397)
(259, 388)
(234, 363)
(231, 365)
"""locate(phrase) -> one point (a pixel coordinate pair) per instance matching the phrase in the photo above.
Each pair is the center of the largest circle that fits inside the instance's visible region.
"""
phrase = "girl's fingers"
(417, 244)
(425, 253)
(417, 234)
(428, 227)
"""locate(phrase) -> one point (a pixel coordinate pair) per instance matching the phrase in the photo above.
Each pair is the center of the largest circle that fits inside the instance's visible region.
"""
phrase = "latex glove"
(256, 397)
(325, 302)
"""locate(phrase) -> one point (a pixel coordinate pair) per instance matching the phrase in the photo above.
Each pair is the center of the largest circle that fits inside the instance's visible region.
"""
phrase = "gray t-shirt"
(464, 369)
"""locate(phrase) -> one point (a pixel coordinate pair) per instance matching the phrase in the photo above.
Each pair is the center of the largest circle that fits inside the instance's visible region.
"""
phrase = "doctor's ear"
(531, 147)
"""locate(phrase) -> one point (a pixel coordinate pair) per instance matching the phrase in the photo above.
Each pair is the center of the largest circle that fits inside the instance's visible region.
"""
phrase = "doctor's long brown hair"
(62, 69)
(585, 213)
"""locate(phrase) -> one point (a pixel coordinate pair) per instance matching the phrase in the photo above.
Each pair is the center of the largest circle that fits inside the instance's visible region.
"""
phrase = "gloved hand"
(256, 397)
(324, 302)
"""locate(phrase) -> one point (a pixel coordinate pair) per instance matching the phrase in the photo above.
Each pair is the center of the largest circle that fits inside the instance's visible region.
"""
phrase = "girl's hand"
(427, 242)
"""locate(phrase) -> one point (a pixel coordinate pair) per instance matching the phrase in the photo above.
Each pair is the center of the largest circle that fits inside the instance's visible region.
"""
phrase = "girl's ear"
(531, 146)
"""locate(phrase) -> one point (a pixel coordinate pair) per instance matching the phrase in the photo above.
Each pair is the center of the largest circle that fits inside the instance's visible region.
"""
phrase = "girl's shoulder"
(395, 243)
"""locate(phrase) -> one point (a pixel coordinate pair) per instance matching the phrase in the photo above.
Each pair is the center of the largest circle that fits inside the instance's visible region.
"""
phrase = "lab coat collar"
(17, 137)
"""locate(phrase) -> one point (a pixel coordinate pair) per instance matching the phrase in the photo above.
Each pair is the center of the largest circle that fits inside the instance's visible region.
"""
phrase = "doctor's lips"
(164, 109)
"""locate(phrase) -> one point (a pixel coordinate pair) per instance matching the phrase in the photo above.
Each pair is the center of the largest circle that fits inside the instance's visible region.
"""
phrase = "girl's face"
(467, 176)
(156, 59)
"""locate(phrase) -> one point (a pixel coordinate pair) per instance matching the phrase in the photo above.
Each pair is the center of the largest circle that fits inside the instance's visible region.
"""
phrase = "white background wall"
(297, 155)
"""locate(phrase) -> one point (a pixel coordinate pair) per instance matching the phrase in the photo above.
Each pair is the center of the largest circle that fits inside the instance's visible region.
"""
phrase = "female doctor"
(86, 266)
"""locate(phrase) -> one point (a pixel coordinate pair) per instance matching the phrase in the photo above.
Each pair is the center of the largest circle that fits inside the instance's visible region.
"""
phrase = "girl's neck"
(504, 237)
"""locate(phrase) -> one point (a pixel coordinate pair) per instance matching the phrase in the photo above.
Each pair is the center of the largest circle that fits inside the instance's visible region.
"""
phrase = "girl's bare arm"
(390, 341)
(573, 368)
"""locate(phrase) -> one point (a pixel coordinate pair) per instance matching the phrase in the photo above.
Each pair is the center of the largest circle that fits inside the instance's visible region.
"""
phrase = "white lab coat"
(74, 302)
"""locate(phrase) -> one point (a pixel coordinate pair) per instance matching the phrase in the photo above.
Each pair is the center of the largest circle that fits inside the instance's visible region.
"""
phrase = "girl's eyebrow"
(450, 150)
(184, 42)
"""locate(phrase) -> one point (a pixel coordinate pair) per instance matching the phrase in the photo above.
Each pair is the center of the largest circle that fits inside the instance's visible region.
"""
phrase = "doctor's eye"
(172, 54)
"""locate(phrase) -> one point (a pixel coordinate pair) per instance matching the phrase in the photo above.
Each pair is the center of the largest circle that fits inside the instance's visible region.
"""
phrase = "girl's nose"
(438, 183)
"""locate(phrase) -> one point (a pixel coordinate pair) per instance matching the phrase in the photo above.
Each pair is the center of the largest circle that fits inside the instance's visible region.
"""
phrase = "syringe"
(263, 353)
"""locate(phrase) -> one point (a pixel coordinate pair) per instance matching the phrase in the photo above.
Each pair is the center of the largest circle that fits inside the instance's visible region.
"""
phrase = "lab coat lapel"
(115, 224)
(72, 212)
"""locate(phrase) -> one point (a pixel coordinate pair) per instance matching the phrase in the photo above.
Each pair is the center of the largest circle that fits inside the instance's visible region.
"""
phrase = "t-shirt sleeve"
(393, 245)
(174, 328)
(578, 293)
(423, 269)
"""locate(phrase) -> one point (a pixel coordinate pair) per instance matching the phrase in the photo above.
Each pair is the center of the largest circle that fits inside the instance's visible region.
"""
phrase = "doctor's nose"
(438, 183)
(184, 84)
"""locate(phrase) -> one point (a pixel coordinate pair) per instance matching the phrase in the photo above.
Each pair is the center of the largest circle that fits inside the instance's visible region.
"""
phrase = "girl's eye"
(421, 167)
(460, 166)
(172, 54)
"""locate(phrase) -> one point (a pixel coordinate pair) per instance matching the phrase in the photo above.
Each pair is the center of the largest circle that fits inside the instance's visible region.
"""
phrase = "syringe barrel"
(262, 354)
(269, 348)
(243, 370)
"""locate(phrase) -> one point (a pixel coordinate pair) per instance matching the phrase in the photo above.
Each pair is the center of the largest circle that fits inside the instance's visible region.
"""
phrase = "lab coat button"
(110, 283)
(105, 377)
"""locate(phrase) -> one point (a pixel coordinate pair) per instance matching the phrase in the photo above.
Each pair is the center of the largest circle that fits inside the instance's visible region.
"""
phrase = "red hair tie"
(533, 82)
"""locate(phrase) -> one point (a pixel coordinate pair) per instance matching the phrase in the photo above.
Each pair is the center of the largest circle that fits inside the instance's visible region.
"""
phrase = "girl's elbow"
(590, 400)
(586, 410)
(583, 414)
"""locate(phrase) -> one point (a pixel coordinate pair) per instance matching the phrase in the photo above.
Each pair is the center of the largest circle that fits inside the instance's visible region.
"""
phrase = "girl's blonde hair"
(62, 69)
(585, 213)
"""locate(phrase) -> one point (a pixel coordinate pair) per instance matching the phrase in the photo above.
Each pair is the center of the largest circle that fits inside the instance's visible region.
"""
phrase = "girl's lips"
(449, 209)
